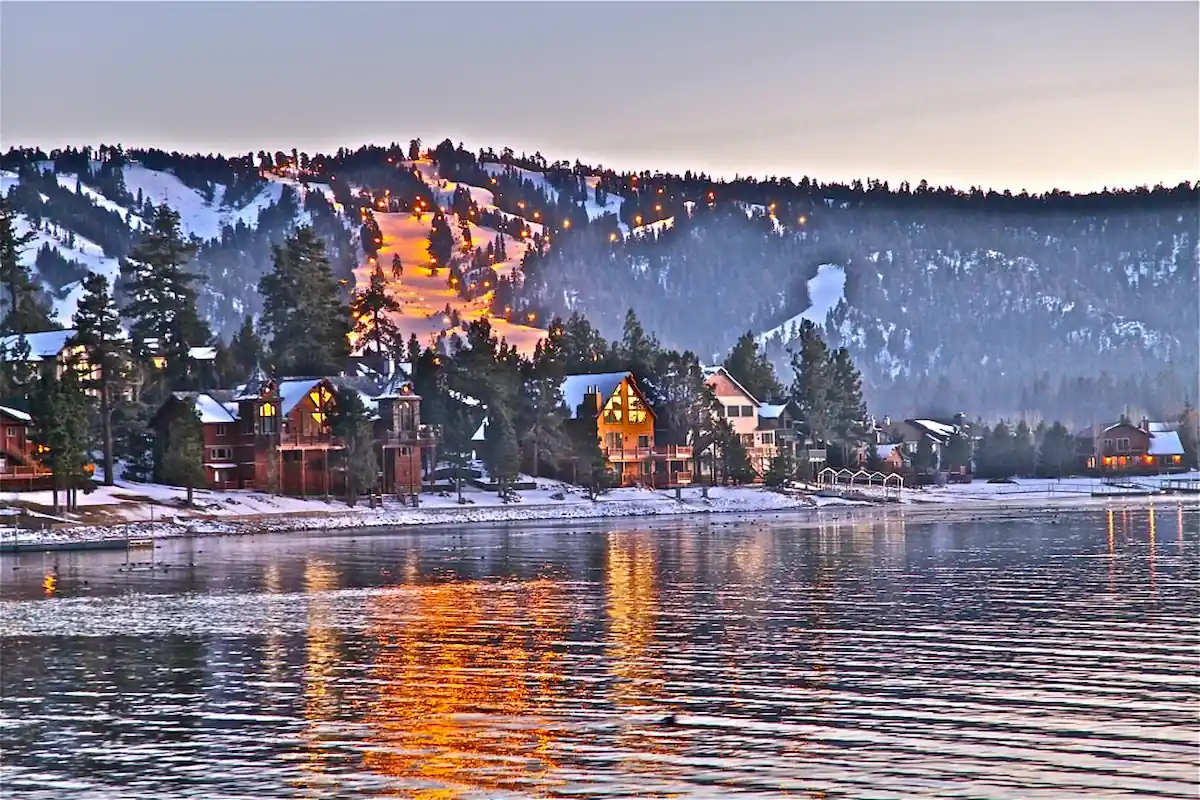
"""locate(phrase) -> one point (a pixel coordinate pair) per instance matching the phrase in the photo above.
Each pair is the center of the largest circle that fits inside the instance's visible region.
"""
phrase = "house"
(43, 347)
(222, 440)
(1124, 447)
(890, 457)
(625, 427)
(910, 432)
(20, 469)
(742, 411)
(780, 427)
(276, 432)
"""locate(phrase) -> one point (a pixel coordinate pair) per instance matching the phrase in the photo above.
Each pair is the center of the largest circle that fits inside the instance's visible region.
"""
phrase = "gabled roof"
(398, 385)
(710, 372)
(939, 431)
(575, 388)
(253, 388)
(884, 451)
(1116, 425)
(16, 413)
(1162, 427)
(771, 410)
(210, 409)
(293, 390)
(1165, 443)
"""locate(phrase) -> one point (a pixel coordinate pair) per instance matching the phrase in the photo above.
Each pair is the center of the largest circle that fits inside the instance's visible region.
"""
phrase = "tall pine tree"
(98, 332)
(302, 312)
(750, 367)
(372, 310)
(25, 310)
(160, 297)
(58, 406)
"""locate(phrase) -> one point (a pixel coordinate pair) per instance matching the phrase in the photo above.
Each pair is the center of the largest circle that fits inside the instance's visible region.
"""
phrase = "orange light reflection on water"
(463, 671)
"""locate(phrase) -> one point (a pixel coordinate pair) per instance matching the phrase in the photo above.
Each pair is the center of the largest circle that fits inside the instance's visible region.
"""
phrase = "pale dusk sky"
(1008, 95)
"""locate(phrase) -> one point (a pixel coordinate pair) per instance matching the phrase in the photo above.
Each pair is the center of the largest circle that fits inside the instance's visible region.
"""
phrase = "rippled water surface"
(1051, 658)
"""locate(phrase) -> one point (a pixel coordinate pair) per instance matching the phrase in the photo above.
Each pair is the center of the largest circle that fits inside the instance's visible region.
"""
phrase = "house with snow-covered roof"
(276, 433)
(1125, 447)
(625, 425)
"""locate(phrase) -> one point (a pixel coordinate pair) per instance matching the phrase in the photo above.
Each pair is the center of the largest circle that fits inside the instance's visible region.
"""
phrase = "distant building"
(1123, 447)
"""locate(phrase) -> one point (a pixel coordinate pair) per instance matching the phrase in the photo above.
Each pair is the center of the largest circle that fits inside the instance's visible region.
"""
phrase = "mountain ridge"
(999, 295)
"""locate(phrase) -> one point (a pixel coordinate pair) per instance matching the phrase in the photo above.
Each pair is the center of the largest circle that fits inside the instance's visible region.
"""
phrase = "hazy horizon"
(1075, 96)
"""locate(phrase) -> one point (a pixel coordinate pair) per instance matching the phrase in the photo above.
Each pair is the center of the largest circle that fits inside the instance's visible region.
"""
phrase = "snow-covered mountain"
(962, 300)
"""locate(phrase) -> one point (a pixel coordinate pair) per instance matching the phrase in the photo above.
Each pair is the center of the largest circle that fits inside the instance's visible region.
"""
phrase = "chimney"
(1146, 424)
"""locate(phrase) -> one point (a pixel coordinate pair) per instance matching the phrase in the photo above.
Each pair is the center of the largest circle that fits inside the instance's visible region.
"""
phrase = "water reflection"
(1039, 658)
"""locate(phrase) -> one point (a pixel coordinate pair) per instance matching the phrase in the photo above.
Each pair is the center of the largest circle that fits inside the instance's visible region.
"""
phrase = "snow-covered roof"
(1161, 427)
(207, 407)
(771, 410)
(480, 434)
(292, 391)
(1165, 443)
(937, 430)
(16, 413)
(43, 344)
(202, 353)
(212, 411)
(884, 451)
(710, 372)
(575, 388)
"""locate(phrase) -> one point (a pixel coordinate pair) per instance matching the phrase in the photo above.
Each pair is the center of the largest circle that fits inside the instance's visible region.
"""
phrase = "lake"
(1049, 657)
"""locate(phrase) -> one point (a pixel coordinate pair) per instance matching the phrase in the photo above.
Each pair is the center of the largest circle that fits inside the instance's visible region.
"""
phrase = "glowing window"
(321, 399)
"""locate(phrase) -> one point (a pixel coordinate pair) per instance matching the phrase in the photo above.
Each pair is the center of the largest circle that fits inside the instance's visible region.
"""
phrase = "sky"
(1074, 95)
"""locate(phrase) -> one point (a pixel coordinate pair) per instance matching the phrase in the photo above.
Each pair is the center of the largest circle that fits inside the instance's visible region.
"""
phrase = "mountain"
(1075, 307)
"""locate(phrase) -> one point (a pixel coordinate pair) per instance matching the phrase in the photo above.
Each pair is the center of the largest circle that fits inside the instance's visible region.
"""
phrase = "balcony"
(662, 452)
(309, 441)
(811, 454)
(418, 436)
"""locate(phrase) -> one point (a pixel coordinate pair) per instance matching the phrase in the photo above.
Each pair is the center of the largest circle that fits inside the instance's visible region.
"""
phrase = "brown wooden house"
(20, 469)
(275, 434)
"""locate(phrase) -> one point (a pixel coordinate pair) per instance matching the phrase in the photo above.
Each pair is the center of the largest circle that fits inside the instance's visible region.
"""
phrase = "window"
(220, 453)
(733, 411)
(322, 402)
(748, 439)
(1108, 444)
(268, 421)
(613, 441)
(12, 430)
(222, 429)
(643, 441)
(614, 410)
(768, 437)
(747, 411)
(637, 411)
(1123, 445)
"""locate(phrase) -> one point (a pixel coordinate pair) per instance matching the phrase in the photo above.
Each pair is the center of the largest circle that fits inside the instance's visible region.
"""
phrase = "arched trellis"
(893, 480)
(827, 477)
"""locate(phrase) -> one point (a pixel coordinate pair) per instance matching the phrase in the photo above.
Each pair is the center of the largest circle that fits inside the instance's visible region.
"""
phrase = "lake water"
(699, 658)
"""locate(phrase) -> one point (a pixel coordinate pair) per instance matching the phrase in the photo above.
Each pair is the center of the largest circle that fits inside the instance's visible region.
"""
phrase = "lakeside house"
(20, 469)
(625, 426)
(276, 432)
(1123, 447)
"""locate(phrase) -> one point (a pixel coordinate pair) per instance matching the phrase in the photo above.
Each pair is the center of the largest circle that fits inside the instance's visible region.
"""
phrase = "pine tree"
(750, 367)
(302, 313)
(637, 349)
(958, 451)
(925, 458)
(501, 451)
(591, 466)
(441, 243)
(98, 332)
(735, 458)
(58, 406)
(1023, 452)
(1057, 452)
(183, 452)
(811, 389)
(371, 310)
(16, 366)
(161, 298)
(246, 347)
(351, 422)
(541, 412)
(25, 311)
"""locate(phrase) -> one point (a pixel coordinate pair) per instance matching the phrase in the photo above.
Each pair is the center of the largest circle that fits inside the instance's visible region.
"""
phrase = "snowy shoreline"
(281, 515)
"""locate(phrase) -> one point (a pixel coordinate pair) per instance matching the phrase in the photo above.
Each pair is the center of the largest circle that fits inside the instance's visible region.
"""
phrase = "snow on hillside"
(825, 291)
(654, 227)
(197, 216)
(69, 180)
(84, 251)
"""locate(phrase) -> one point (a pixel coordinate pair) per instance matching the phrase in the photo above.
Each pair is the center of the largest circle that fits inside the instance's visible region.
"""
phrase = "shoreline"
(750, 504)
